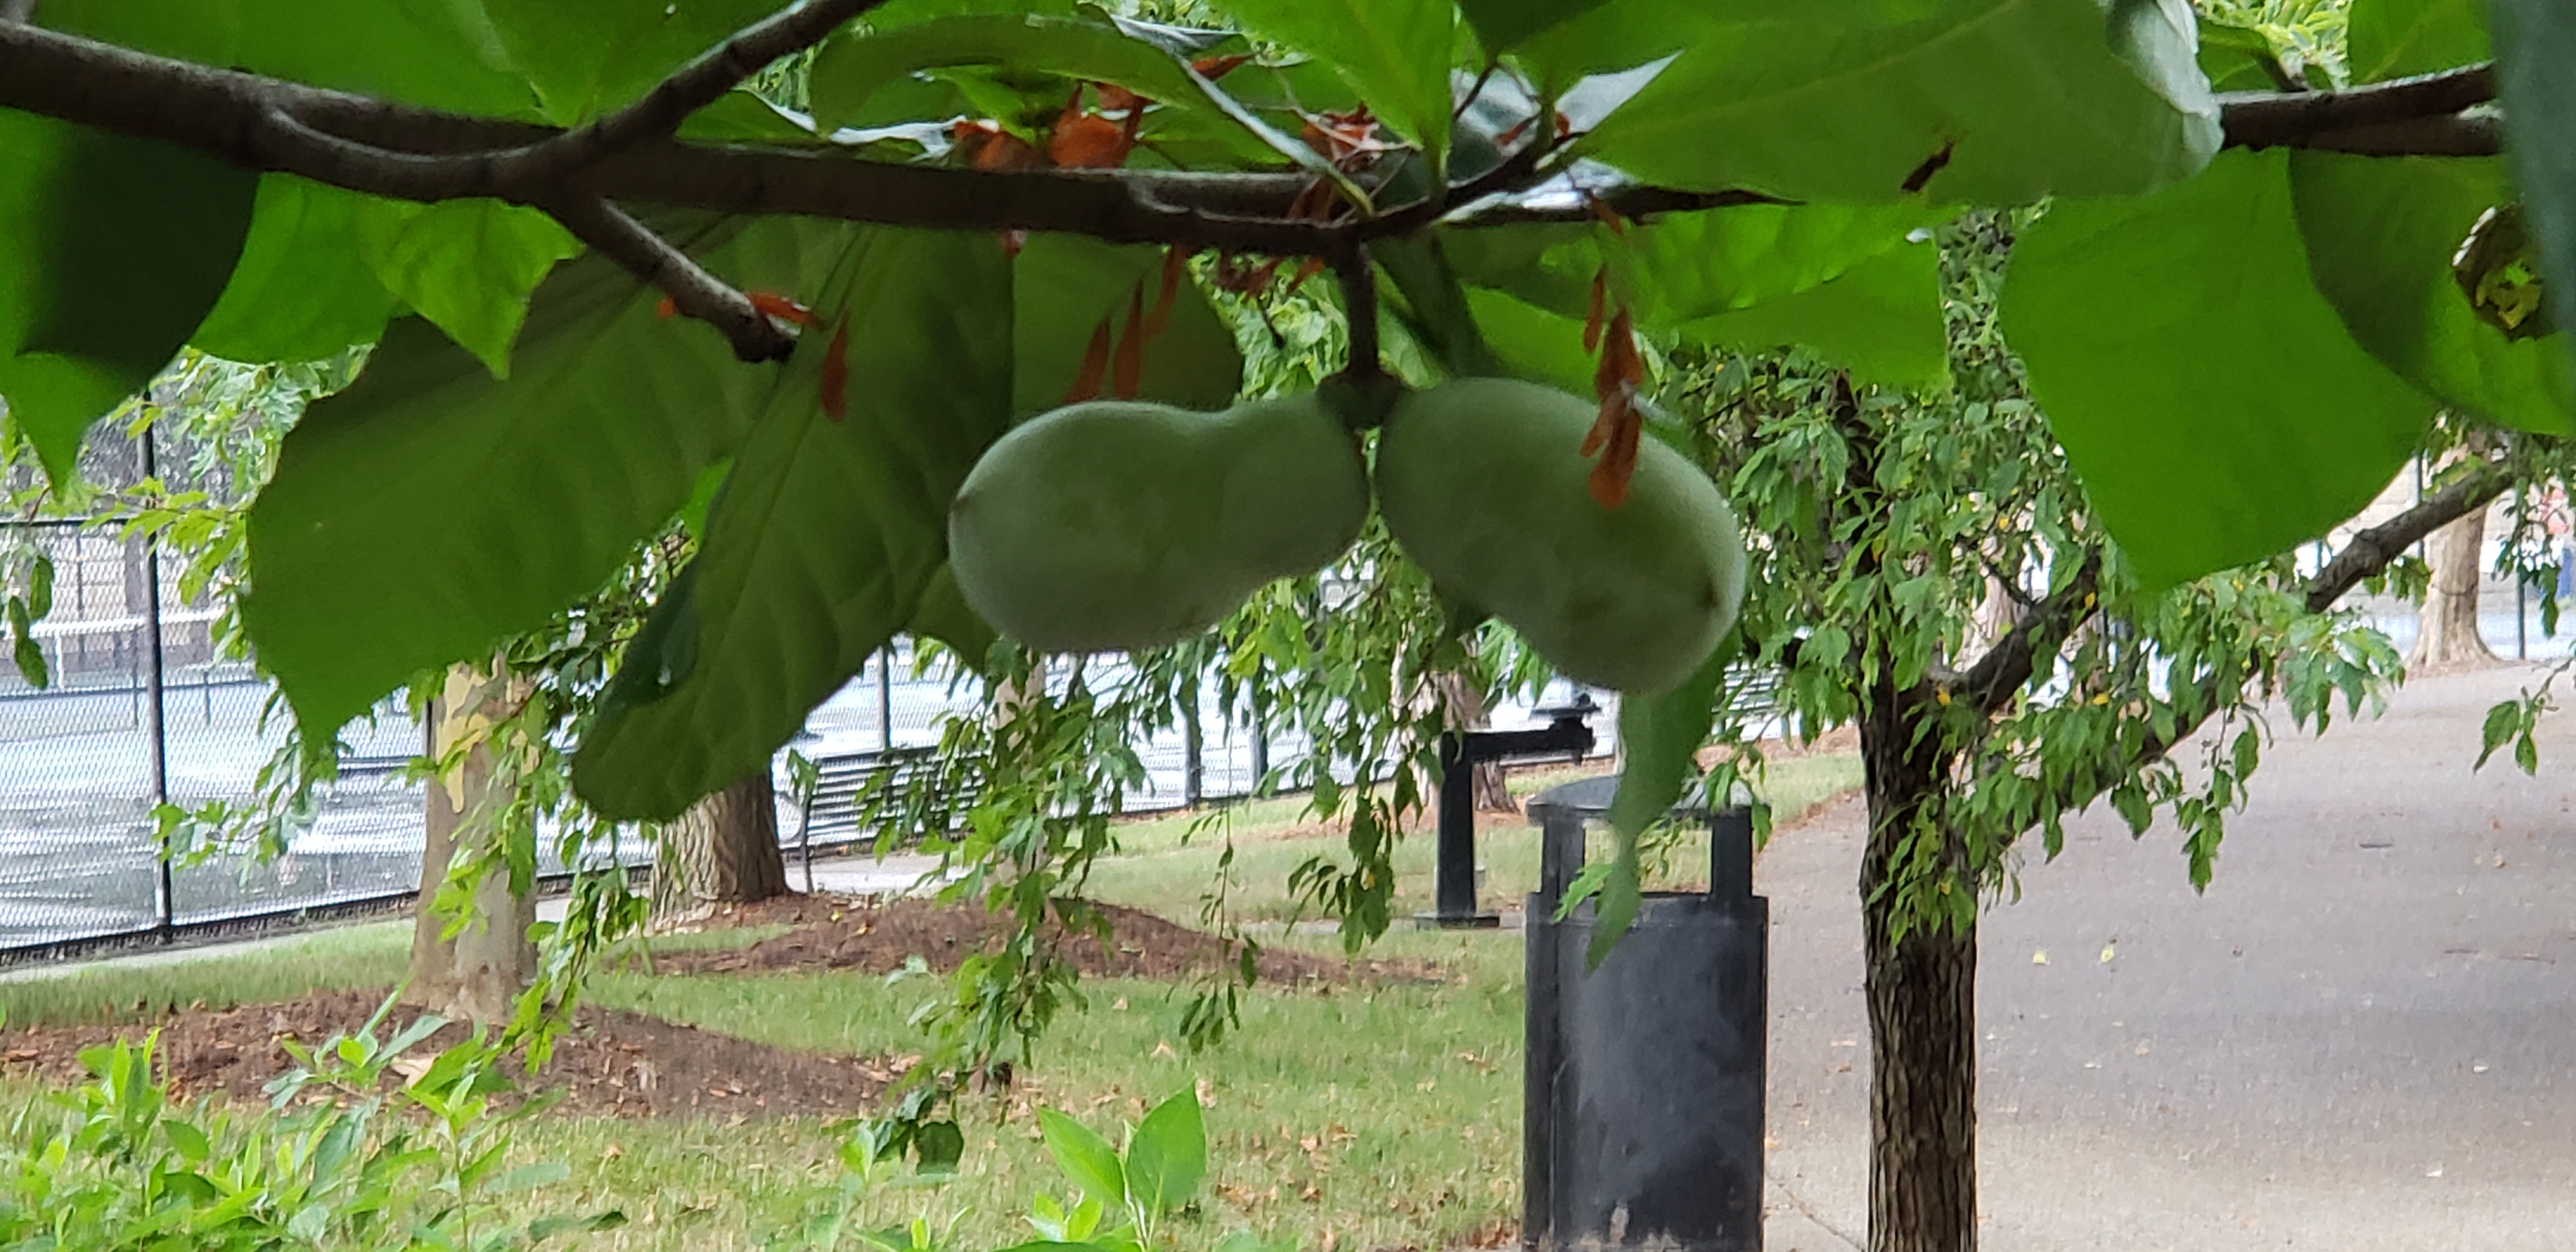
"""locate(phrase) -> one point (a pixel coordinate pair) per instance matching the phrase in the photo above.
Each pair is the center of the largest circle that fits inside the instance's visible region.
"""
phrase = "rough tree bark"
(724, 850)
(1462, 708)
(1922, 993)
(2446, 627)
(478, 974)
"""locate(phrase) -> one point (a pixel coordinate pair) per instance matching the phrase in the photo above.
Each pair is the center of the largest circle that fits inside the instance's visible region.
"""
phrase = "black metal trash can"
(1642, 1113)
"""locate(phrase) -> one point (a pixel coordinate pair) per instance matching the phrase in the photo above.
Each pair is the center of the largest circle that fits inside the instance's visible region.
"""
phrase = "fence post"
(885, 698)
(155, 731)
(1193, 754)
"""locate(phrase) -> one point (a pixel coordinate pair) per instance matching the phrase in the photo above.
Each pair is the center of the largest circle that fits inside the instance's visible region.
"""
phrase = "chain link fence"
(142, 711)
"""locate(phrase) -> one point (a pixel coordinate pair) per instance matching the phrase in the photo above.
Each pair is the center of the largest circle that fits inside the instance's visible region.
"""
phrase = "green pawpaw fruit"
(1483, 484)
(1116, 525)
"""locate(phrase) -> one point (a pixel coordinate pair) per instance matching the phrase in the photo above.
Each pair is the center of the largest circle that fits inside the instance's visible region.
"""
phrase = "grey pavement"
(2362, 1036)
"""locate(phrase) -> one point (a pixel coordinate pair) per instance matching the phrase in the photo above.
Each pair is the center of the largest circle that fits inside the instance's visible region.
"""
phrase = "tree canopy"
(2238, 320)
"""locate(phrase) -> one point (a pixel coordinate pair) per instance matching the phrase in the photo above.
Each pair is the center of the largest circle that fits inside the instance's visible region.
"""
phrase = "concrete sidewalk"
(2362, 1036)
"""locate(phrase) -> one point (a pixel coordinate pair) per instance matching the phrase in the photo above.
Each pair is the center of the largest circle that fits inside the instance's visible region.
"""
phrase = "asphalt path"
(2363, 1035)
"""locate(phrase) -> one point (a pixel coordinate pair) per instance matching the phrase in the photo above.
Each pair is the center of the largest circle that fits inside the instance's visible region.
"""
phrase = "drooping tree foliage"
(604, 279)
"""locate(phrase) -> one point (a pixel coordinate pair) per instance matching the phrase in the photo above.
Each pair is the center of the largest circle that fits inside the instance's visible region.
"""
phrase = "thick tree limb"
(2367, 554)
(2370, 551)
(1991, 682)
(2377, 119)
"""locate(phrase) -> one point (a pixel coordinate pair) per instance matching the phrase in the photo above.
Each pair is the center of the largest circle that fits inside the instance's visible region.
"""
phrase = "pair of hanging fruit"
(1114, 525)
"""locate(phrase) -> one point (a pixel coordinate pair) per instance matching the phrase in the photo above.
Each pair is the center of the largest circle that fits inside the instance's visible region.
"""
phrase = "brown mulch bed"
(844, 932)
(611, 1063)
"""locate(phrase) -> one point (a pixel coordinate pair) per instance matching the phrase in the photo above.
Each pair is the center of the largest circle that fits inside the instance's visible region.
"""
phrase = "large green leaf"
(2535, 43)
(853, 67)
(1659, 737)
(1963, 101)
(429, 511)
(2380, 235)
(1880, 319)
(1167, 1156)
(2211, 400)
(466, 265)
(829, 526)
(1620, 35)
(1685, 266)
(302, 291)
(1394, 53)
(443, 54)
(1064, 285)
(111, 251)
(2235, 57)
(2396, 38)
(1530, 342)
(586, 57)
(1688, 266)
(1502, 25)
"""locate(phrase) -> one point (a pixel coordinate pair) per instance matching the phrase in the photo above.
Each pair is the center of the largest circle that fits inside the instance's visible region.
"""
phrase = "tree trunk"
(1922, 1013)
(478, 974)
(2446, 627)
(724, 850)
(1462, 708)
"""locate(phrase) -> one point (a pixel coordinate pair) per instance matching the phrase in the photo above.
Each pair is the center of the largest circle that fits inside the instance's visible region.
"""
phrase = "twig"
(1631, 202)
(692, 290)
(1358, 280)
(2268, 119)
(690, 88)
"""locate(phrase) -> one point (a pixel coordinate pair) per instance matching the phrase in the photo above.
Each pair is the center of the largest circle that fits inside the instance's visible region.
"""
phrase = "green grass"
(1409, 1094)
(136, 987)
(1166, 868)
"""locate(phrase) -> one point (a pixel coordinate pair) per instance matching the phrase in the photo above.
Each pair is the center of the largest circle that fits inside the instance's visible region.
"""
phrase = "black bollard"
(1643, 1104)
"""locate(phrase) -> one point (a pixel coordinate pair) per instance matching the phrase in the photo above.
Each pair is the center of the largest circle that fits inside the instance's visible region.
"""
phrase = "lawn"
(1361, 1116)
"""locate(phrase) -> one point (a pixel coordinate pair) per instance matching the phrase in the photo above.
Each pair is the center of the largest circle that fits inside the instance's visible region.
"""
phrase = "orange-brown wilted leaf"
(1621, 365)
(784, 309)
(986, 146)
(1608, 481)
(1606, 215)
(1592, 319)
(1128, 372)
(1176, 264)
(1306, 269)
(1088, 141)
(1117, 99)
(1217, 67)
(836, 374)
(1602, 425)
(666, 307)
(1095, 366)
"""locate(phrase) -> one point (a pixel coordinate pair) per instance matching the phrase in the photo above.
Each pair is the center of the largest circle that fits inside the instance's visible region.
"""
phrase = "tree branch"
(1359, 308)
(1990, 683)
(692, 290)
(2406, 116)
(391, 150)
(690, 88)
(1634, 201)
(2370, 551)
